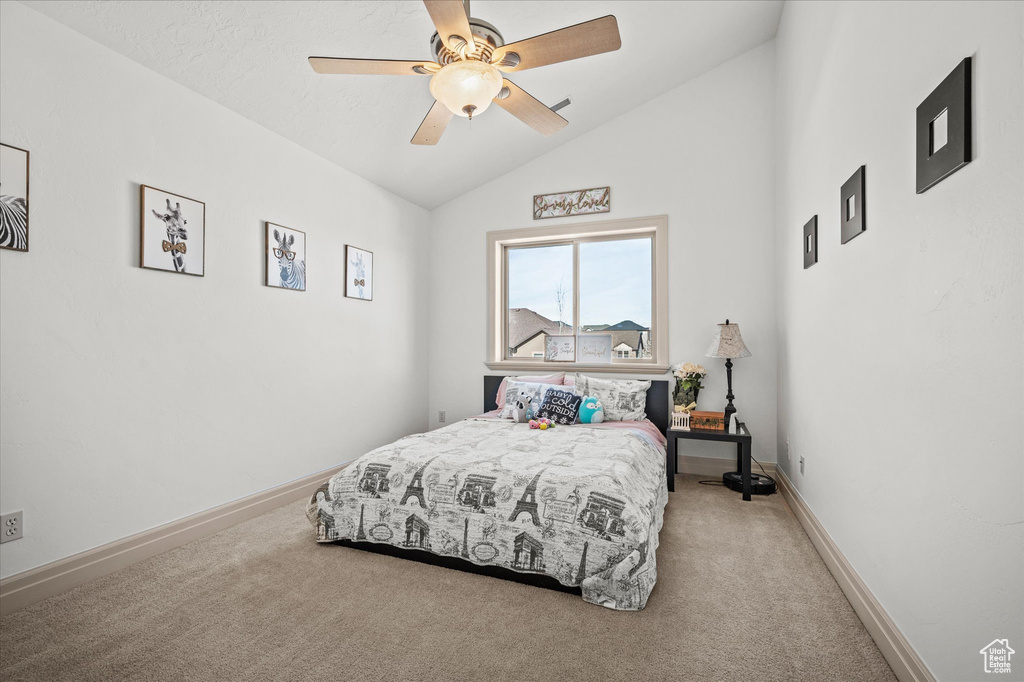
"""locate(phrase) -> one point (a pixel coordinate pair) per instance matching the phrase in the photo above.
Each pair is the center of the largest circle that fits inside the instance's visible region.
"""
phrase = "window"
(604, 279)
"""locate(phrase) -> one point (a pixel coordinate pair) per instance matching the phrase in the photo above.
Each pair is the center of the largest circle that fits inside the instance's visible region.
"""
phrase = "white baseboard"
(904, 661)
(18, 591)
(716, 466)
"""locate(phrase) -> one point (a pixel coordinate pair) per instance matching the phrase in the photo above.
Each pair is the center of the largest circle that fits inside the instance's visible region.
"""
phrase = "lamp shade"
(728, 343)
(466, 87)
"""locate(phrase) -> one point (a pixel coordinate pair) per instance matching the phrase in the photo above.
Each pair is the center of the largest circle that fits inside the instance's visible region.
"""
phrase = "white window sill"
(625, 367)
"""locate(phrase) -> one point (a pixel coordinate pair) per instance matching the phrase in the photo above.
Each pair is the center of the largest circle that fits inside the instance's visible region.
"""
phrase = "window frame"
(498, 242)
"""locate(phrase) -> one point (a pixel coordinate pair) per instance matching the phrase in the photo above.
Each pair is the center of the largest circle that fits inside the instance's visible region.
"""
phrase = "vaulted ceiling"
(251, 58)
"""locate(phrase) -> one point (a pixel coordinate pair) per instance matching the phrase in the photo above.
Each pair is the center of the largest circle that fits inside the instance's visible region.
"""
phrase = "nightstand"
(742, 438)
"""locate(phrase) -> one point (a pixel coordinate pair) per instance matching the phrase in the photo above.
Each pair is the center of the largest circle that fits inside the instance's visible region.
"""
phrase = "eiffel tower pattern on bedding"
(583, 504)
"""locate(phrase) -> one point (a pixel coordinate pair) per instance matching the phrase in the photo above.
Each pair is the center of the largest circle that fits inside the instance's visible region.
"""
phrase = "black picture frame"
(953, 98)
(810, 242)
(852, 220)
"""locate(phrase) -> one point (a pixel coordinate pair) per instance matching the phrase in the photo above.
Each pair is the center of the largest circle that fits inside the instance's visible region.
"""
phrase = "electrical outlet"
(801, 464)
(440, 416)
(12, 526)
(786, 453)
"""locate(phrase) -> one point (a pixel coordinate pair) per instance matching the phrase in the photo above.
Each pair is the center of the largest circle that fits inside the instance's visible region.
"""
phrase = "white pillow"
(534, 390)
(624, 400)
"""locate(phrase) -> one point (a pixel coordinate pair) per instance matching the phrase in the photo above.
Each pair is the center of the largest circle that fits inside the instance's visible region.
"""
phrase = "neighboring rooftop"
(524, 324)
(626, 326)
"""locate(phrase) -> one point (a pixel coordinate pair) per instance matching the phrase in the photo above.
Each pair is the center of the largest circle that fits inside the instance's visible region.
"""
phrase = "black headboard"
(657, 408)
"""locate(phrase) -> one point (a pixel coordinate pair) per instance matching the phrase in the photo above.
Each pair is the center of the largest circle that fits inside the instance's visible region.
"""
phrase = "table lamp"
(728, 344)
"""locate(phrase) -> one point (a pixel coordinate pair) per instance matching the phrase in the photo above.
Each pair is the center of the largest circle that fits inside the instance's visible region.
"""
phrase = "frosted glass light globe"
(466, 87)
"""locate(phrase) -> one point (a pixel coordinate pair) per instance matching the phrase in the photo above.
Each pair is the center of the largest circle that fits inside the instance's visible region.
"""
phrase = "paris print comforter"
(583, 504)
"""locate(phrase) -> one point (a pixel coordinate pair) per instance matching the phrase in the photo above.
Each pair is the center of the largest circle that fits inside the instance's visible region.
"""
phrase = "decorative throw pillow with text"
(561, 407)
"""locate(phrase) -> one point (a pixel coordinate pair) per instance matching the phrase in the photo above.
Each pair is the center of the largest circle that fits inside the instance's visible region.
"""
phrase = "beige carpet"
(263, 601)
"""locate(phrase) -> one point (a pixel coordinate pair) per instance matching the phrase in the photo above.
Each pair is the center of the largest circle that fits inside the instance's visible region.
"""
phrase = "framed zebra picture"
(173, 232)
(286, 257)
(358, 273)
(13, 198)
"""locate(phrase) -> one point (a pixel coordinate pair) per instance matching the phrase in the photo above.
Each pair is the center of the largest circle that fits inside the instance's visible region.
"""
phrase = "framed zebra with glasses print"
(286, 257)
(13, 198)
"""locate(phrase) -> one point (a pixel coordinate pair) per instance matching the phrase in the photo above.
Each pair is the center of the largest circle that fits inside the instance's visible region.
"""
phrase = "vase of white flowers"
(688, 377)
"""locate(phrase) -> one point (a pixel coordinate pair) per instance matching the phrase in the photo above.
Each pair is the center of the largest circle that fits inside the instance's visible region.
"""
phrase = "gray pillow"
(624, 400)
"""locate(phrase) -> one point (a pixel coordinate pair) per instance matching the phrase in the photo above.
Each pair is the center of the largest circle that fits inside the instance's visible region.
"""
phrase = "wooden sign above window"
(577, 202)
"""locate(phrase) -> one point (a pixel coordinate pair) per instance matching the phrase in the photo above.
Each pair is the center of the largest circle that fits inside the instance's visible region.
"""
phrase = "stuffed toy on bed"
(522, 412)
(591, 411)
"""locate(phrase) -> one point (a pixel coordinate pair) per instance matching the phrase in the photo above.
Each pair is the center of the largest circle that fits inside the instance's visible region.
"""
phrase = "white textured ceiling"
(251, 58)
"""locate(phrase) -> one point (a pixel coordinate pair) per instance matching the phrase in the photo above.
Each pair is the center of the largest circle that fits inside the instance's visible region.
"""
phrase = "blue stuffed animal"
(591, 411)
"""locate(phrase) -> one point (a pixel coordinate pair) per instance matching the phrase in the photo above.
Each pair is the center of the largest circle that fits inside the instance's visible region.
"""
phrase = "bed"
(574, 508)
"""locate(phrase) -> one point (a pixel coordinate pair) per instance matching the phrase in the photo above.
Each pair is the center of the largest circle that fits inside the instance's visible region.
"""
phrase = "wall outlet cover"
(441, 416)
(12, 526)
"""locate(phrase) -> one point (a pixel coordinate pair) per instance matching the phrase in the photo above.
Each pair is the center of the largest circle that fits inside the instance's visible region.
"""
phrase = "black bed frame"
(657, 409)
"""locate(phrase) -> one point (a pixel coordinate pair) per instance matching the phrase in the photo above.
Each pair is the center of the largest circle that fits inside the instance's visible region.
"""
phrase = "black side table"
(742, 438)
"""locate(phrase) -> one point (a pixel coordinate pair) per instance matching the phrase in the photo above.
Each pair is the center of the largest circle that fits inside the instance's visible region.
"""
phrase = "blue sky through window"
(534, 276)
(615, 281)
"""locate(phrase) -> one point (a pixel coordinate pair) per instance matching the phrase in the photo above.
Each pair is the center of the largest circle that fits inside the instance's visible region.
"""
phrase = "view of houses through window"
(609, 279)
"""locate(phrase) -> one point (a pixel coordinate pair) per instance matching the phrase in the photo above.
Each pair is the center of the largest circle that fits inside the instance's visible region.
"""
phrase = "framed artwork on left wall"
(286, 257)
(13, 198)
(173, 231)
(358, 273)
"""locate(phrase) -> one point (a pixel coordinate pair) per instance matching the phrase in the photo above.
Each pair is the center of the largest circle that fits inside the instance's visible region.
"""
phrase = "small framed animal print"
(173, 232)
(358, 273)
(13, 198)
(286, 257)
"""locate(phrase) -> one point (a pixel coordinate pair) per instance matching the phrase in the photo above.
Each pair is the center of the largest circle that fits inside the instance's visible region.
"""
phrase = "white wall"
(701, 153)
(130, 397)
(900, 352)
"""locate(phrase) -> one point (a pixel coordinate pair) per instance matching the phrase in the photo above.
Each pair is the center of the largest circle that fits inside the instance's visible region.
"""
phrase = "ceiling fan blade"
(451, 19)
(433, 125)
(382, 67)
(530, 110)
(582, 40)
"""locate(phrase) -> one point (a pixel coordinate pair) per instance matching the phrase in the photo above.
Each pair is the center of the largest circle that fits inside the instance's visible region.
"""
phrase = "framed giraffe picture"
(173, 232)
(358, 273)
(286, 257)
(13, 198)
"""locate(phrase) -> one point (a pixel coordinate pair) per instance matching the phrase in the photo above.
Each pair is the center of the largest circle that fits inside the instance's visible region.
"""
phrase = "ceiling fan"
(470, 56)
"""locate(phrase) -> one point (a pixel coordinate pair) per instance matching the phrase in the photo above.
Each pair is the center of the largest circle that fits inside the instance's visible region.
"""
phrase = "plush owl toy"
(591, 411)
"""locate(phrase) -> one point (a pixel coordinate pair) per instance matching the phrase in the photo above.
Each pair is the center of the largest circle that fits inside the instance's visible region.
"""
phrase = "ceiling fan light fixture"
(467, 87)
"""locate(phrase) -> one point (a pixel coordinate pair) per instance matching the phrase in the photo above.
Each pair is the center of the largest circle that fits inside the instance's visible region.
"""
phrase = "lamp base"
(729, 412)
(759, 484)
